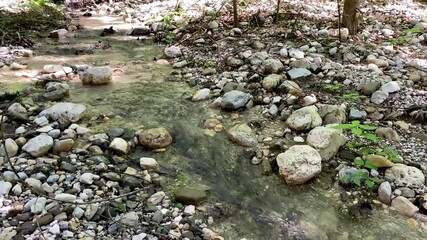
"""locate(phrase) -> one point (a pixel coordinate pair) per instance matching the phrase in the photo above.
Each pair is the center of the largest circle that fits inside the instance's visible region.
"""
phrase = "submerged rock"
(299, 164)
(191, 195)
(243, 135)
(155, 138)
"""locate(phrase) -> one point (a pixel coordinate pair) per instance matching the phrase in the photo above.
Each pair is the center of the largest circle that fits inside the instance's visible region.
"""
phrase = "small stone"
(65, 197)
(156, 198)
(387, 133)
(5, 188)
(201, 95)
(379, 161)
(384, 192)
(97, 76)
(120, 145)
(148, 163)
(390, 87)
(87, 178)
(189, 210)
(130, 219)
(11, 147)
(379, 97)
(404, 206)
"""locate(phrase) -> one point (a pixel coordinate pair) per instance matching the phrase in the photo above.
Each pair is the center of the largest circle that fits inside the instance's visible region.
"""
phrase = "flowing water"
(250, 204)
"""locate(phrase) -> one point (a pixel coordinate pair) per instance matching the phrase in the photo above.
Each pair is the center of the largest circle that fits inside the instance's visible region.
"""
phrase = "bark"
(349, 18)
(235, 17)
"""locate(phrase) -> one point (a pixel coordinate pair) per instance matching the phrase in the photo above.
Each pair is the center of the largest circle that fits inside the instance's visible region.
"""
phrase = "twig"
(339, 20)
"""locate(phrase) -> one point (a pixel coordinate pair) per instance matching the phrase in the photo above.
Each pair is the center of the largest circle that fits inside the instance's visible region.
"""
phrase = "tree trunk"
(349, 18)
(236, 17)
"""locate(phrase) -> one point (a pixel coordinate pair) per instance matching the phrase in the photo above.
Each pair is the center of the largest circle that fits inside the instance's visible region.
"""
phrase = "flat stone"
(191, 195)
(64, 112)
(148, 163)
(404, 206)
(39, 145)
(297, 73)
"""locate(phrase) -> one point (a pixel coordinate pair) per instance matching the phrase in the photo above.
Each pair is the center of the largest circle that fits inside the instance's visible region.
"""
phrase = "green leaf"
(367, 127)
(355, 123)
(381, 154)
(359, 162)
(357, 181)
(366, 150)
(370, 165)
(357, 131)
(370, 136)
(369, 183)
(350, 145)
(376, 180)
(342, 126)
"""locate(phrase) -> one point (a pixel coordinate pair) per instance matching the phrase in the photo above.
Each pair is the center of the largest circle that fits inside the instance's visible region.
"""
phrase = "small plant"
(351, 96)
(382, 150)
(413, 30)
(121, 207)
(359, 129)
(209, 64)
(362, 163)
(182, 179)
(170, 37)
(360, 177)
(332, 87)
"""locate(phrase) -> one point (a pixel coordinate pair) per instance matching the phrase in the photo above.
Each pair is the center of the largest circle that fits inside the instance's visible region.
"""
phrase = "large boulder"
(38, 146)
(243, 135)
(331, 114)
(97, 76)
(304, 119)
(299, 164)
(64, 112)
(155, 138)
(326, 141)
(405, 175)
(234, 100)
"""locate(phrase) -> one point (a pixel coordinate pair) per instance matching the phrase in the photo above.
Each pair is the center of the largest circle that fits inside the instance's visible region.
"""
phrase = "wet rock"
(243, 135)
(299, 164)
(379, 161)
(97, 76)
(332, 114)
(191, 195)
(11, 147)
(64, 145)
(230, 86)
(405, 175)
(304, 119)
(56, 91)
(234, 100)
(155, 138)
(173, 52)
(404, 206)
(201, 95)
(387, 133)
(272, 81)
(148, 163)
(5, 188)
(272, 66)
(379, 97)
(17, 111)
(59, 33)
(38, 146)
(64, 112)
(120, 145)
(297, 73)
(326, 141)
(143, 31)
(407, 192)
(384, 192)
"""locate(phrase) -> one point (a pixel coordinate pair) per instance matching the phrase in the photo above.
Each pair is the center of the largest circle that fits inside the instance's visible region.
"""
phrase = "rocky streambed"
(240, 150)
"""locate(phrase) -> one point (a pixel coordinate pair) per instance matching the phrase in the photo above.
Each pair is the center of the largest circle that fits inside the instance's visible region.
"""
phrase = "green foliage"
(351, 96)
(381, 150)
(332, 87)
(358, 129)
(362, 163)
(403, 39)
(209, 64)
(182, 179)
(170, 37)
(10, 96)
(120, 208)
(413, 30)
(362, 177)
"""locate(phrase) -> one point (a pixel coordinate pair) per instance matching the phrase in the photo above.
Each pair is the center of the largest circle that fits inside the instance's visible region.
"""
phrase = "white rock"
(60, 33)
(326, 141)
(405, 175)
(88, 178)
(201, 94)
(299, 164)
(157, 197)
(379, 97)
(78, 212)
(39, 145)
(148, 163)
(190, 210)
(140, 236)
(120, 145)
(97, 76)
(38, 205)
(295, 53)
(32, 182)
(5, 188)
(130, 219)
(304, 119)
(64, 112)
(173, 52)
(390, 87)
(65, 197)
(11, 147)
(384, 192)
(17, 111)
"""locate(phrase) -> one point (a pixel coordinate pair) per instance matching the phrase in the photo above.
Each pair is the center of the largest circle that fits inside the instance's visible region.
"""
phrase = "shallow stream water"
(249, 202)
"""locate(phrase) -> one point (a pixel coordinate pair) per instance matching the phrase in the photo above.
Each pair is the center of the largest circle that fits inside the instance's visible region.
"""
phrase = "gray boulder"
(97, 76)
(64, 112)
(405, 175)
(56, 91)
(326, 141)
(39, 145)
(299, 164)
(304, 119)
(17, 111)
(234, 100)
